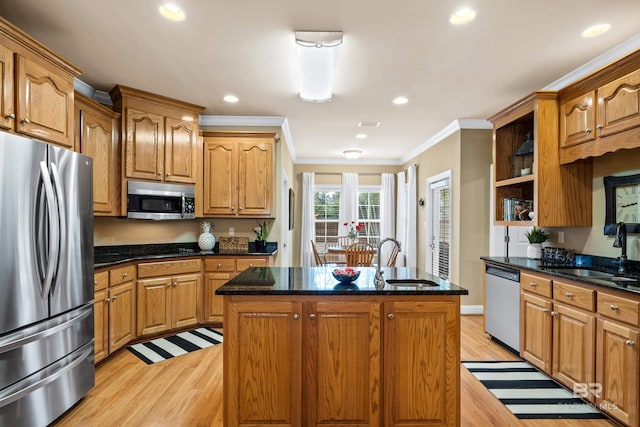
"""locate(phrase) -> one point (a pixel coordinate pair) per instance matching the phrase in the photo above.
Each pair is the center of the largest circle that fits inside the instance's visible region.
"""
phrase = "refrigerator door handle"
(62, 215)
(23, 337)
(54, 230)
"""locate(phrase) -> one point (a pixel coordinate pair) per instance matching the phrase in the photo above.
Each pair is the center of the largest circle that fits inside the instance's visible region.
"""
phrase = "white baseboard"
(471, 309)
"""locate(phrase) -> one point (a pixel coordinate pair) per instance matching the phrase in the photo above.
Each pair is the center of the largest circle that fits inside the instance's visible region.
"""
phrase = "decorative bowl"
(346, 275)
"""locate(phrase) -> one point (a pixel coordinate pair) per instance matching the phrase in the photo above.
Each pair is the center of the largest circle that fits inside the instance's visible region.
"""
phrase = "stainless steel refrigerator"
(46, 280)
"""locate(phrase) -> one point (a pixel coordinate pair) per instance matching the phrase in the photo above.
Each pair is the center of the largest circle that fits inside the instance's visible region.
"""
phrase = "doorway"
(285, 234)
(439, 222)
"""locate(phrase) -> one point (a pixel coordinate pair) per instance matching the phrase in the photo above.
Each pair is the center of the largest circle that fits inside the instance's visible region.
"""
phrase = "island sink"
(411, 282)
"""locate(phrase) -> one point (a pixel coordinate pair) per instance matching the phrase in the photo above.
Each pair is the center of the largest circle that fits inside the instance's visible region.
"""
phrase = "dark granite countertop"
(320, 281)
(582, 261)
(108, 256)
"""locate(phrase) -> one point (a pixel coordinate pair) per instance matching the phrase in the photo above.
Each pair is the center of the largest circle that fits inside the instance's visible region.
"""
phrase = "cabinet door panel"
(214, 304)
(220, 178)
(343, 373)
(578, 120)
(574, 335)
(421, 334)
(7, 97)
(144, 145)
(180, 151)
(184, 296)
(101, 325)
(255, 178)
(96, 139)
(263, 359)
(619, 104)
(617, 370)
(154, 305)
(535, 331)
(45, 103)
(122, 315)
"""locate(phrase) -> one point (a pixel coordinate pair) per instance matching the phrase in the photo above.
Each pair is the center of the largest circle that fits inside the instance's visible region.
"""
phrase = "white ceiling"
(391, 48)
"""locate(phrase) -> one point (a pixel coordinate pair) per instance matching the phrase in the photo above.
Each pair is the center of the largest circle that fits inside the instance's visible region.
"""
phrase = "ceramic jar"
(534, 251)
(207, 240)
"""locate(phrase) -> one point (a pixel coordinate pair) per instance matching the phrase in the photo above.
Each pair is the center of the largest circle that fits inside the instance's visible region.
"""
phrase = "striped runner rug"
(160, 349)
(529, 393)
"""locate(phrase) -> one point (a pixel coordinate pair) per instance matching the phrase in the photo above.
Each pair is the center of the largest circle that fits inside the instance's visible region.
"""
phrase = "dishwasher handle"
(504, 272)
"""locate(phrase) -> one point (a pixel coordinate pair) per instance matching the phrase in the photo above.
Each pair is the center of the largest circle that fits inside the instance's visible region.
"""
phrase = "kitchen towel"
(529, 393)
(160, 349)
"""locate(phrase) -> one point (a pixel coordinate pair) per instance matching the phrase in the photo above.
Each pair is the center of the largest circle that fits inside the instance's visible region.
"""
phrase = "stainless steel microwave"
(157, 200)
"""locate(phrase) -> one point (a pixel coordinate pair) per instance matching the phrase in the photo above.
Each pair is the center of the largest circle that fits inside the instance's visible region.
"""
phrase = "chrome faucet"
(379, 279)
(621, 242)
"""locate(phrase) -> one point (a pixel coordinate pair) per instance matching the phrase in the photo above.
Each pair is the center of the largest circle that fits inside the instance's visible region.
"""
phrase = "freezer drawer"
(28, 350)
(41, 398)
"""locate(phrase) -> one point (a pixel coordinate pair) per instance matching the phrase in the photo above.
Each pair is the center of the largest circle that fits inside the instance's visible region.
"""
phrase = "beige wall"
(467, 153)
(591, 240)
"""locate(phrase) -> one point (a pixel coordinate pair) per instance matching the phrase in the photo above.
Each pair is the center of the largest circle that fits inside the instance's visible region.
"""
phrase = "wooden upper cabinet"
(601, 113)
(577, 120)
(95, 136)
(36, 88)
(180, 150)
(144, 145)
(238, 174)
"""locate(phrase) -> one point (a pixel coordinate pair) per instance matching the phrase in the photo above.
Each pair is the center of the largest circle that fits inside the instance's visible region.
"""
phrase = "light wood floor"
(187, 390)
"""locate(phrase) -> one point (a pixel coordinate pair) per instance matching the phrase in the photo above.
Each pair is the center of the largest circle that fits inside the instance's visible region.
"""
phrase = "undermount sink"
(411, 282)
(584, 272)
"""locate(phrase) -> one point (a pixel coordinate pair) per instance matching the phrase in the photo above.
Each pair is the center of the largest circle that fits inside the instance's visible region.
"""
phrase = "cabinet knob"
(312, 316)
(168, 174)
(159, 173)
(553, 313)
(107, 300)
(10, 116)
(125, 274)
(296, 316)
(219, 265)
(534, 284)
(630, 343)
(587, 130)
(250, 265)
(545, 310)
(25, 121)
(613, 307)
(115, 297)
(569, 295)
(240, 208)
(390, 316)
(95, 283)
(599, 127)
(233, 208)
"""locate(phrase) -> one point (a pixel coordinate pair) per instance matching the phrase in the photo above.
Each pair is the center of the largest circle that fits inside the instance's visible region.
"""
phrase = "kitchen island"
(302, 349)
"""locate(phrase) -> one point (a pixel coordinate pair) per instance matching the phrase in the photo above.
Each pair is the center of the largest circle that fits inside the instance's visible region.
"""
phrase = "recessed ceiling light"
(401, 100)
(352, 154)
(232, 99)
(172, 12)
(596, 30)
(361, 136)
(462, 16)
(369, 124)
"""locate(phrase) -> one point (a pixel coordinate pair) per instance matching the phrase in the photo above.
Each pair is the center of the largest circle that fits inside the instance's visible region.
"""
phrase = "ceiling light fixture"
(352, 154)
(401, 100)
(361, 136)
(368, 124)
(172, 12)
(596, 30)
(462, 16)
(317, 51)
(232, 99)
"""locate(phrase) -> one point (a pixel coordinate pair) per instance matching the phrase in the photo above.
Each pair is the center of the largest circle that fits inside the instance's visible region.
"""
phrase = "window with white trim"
(369, 213)
(326, 207)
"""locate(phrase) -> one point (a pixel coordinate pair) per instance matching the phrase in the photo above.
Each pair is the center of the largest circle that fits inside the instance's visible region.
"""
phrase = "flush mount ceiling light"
(462, 16)
(172, 12)
(231, 99)
(317, 51)
(596, 30)
(352, 154)
(401, 100)
(361, 136)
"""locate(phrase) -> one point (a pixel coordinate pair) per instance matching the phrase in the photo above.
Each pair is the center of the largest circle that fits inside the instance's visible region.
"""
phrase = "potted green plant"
(536, 236)
(261, 236)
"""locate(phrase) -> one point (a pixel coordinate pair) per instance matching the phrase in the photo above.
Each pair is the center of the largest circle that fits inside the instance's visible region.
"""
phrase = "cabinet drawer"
(619, 308)
(164, 268)
(537, 285)
(100, 280)
(574, 295)
(244, 263)
(220, 264)
(122, 274)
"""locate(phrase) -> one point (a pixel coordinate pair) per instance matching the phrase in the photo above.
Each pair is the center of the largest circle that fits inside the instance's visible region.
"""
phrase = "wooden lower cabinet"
(122, 315)
(536, 330)
(317, 361)
(617, 370)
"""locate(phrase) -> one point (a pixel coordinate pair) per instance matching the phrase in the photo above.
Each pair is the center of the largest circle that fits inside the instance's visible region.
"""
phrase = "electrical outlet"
(232, 231)
(560, 236)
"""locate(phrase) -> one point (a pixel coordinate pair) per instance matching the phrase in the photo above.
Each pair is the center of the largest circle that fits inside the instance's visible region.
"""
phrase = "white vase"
(206, 241)
(534, 251)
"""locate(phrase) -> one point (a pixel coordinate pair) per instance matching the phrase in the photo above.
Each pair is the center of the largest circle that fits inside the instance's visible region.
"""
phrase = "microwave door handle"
(54, 229)
(182, 206)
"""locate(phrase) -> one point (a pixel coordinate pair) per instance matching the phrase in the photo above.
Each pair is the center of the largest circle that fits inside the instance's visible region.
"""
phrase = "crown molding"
(613, 54)
(448, 130)
(97, 95)
(288, 139)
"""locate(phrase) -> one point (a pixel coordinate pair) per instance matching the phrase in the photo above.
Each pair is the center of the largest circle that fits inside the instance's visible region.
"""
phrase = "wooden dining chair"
(360, 255)
(316, 255)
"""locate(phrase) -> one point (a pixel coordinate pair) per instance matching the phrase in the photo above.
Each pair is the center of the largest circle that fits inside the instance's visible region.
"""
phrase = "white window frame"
(325, 188)
(429, 252)
(369, 188)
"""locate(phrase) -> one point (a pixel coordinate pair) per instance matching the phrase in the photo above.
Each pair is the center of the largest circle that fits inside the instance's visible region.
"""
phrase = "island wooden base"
(335, 360)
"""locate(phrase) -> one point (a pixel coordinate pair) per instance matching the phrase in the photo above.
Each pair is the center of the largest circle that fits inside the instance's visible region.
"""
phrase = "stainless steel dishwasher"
(502, 309)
